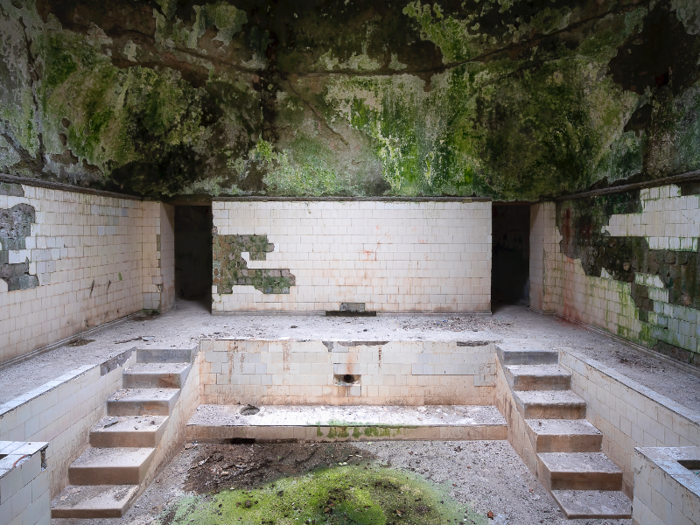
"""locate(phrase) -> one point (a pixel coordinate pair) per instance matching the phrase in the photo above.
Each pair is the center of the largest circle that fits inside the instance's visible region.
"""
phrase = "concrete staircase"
(106, 478)
(583, 481)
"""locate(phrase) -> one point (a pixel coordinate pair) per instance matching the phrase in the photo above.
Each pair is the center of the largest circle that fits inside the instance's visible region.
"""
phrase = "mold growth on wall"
(512, 100)
(648, 239)
(231, 269)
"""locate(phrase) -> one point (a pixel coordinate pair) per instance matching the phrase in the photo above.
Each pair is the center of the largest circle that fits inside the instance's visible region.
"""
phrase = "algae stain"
(340, 495)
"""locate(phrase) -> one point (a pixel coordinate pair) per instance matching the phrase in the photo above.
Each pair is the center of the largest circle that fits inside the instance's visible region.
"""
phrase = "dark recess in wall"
(193, 245)
(510, 274)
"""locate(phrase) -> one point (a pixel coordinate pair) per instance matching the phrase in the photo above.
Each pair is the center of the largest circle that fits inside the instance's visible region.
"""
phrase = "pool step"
(594, 504)
(93, 501)
(106, 478)
(581, 478)
(563, 435)
(142, 401)
(550, 404)
(537, 377)
(166, 355)
(110, 466)
(128, 431)
(513, 355)
(156, 375)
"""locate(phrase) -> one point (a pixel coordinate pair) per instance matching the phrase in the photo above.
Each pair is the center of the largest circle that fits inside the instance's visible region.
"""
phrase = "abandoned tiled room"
(336, 262)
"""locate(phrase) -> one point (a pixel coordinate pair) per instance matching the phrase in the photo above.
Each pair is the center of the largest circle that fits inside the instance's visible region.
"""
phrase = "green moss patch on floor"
(336, 496)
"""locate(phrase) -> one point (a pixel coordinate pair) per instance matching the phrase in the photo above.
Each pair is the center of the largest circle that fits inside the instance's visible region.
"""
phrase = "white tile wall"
(80, 239)
(559, 284)
(302, 372)
(392, 256)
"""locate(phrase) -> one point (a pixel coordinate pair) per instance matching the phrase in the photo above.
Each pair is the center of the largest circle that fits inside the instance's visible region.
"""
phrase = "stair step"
(563, 435)
(93, 501)
(156, 375)
(128, 431)
(550, 404)
(516, 355)
(579, 471)
(165, 355)
(594, 504)
(110, 466)
(538, 377)
(142, 401)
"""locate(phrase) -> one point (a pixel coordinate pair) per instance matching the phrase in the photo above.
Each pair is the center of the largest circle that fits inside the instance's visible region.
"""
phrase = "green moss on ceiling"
(514, 100)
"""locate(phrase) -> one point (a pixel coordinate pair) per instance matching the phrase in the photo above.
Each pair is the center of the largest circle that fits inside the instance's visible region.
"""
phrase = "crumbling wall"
(628, 263)
(71, 261)
(513, 100)
(305, 256)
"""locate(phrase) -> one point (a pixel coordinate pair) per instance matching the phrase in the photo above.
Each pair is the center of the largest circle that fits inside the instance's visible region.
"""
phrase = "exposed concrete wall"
(629, 414)
(311, 372)
(312, 256)
(71, 261)
(627, 263)
(62, 412)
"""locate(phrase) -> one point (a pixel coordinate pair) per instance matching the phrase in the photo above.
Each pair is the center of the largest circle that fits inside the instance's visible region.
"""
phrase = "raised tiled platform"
(347, 423)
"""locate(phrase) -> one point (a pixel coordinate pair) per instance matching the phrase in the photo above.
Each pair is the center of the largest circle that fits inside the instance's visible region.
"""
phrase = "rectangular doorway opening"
(193, 253)
(510, 273)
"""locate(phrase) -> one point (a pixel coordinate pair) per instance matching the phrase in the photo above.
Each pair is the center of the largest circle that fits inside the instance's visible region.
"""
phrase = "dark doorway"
(510, 275)
(193, 250)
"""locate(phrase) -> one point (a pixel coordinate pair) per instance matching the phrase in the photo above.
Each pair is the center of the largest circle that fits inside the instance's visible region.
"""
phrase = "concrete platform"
(594, 504)
(94, 501)
(220, 423)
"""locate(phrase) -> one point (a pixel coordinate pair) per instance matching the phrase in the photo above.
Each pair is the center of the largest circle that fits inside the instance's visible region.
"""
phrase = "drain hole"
(347, 379)
(240, 441)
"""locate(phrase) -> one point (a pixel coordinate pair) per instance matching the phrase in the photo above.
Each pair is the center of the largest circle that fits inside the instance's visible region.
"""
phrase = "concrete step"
(142, 402)
(563, 435)
(512, 354)
(128, 431)
(165, 355)
(537, 377)
(550, 404)
(156, 375)
(594, 504)
(578, 471)
(110, 466)
(93, 501)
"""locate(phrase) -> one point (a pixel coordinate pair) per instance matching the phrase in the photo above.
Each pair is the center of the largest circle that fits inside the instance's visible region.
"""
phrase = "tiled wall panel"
(312, 372)
(392, 256)
(71, 261)
(646, 290)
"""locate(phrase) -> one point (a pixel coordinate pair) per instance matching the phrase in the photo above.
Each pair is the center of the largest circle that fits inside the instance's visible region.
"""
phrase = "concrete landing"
(597, 504)
(347, 423)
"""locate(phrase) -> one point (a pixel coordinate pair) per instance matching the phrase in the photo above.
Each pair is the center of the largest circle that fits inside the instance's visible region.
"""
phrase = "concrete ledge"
(222, 423)
(666, 491)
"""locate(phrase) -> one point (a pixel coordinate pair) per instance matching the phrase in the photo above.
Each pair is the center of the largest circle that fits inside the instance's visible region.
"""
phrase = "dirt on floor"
(246, 466)
(485, 477)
